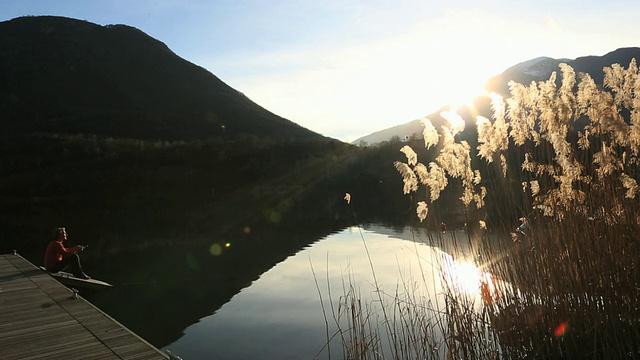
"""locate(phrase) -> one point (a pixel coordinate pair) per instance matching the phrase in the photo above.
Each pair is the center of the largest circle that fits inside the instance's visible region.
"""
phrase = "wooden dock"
(42, 319)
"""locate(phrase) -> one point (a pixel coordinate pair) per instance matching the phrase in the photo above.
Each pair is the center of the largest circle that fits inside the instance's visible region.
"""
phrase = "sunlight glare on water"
(464, 274)
(282, 314)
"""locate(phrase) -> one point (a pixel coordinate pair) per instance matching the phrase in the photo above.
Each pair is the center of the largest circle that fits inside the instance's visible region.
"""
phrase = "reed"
(567, 287)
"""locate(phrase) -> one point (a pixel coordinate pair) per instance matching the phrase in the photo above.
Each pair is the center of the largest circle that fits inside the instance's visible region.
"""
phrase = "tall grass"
(569, 288)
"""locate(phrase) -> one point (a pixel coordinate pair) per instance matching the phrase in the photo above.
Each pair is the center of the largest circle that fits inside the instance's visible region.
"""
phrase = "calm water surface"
(280, 315)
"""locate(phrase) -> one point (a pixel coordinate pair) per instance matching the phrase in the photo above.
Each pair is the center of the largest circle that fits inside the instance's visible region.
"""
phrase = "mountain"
(105, 129)
(541, 68)
(146, 156)
(403, 132)
(66, 75)
(538, 69)
(524, 73)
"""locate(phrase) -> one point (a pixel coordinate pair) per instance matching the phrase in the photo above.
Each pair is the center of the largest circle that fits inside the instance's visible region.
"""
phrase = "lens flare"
(273, 216)
(215, 249)
(561, 329)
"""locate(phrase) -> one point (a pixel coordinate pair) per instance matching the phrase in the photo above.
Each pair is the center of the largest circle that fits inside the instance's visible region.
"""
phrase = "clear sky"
(347, 68)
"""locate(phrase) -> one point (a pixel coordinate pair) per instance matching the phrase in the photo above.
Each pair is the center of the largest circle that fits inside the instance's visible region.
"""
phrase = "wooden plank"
(54, 344)
(70, 350)
(42, 319)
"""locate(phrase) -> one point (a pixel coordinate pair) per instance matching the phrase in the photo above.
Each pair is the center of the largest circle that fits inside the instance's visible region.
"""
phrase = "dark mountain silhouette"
(153, 160)
(538, 69)
(72, 76)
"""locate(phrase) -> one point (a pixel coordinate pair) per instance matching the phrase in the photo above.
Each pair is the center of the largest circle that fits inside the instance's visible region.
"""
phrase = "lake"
(290, 311)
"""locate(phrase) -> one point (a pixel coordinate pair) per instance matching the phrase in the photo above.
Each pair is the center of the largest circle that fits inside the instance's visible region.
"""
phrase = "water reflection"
(464, 275)
(293, 309)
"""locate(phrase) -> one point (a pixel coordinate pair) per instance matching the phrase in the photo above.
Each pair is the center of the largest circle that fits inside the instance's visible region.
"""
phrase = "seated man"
(57, 257)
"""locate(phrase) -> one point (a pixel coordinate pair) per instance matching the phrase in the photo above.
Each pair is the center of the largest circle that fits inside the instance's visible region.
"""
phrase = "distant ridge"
(66, 75)
(402, 131)
(541, 68)
(537, 69)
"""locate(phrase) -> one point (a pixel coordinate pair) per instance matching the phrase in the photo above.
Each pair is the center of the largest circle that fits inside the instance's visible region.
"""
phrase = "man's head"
(60, 234)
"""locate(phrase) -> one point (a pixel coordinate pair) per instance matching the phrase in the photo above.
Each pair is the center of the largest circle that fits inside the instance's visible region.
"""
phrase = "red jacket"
(55, 253)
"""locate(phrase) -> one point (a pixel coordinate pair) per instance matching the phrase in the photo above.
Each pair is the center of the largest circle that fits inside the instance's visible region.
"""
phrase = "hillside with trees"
(108, 132)
(71, 76)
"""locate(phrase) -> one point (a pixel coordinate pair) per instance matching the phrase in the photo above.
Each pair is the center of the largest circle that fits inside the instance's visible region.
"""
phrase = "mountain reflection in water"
(280, 316)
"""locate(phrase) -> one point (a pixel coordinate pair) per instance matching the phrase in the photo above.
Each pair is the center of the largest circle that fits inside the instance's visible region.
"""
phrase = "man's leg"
(61, 265)
(74, 262)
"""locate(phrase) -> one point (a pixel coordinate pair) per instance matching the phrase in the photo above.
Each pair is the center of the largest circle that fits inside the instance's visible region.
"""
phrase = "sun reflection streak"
(466, 277)
(462, 275)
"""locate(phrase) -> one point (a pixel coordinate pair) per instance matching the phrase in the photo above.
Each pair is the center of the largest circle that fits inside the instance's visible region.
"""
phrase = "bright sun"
(467, 100)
